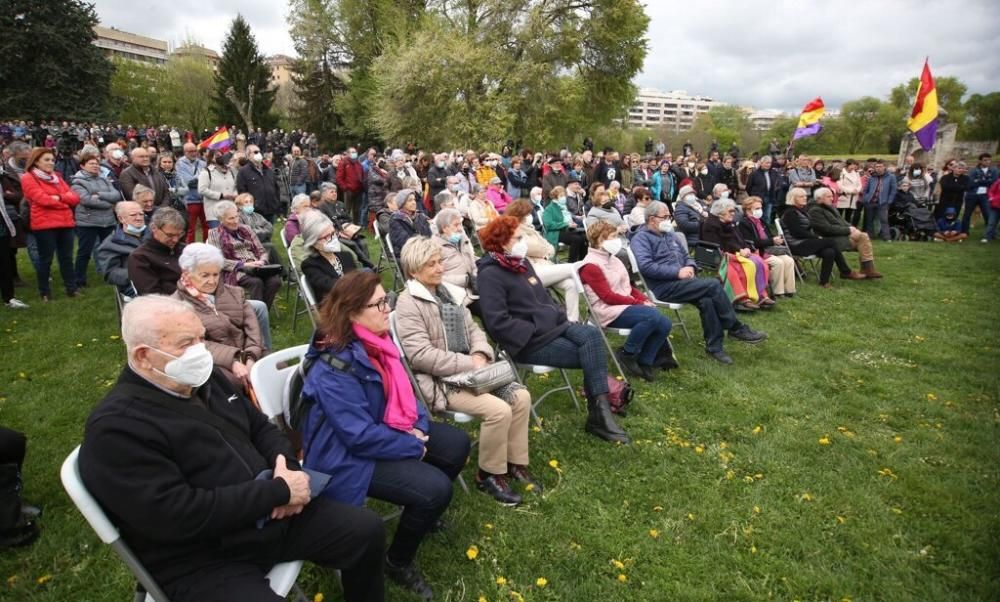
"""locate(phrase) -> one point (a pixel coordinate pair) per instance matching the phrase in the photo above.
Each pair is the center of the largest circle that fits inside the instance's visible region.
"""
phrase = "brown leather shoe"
(826, 285)
(871, 273)
(852, 275)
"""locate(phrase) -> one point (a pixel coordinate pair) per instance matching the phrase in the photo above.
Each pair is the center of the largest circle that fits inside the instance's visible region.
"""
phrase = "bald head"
(140, 157)
(149, 318)
(191, 151)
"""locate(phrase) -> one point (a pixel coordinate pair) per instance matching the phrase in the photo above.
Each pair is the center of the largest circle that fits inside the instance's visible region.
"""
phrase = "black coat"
(757, 185)
(797, 227)
(182, 491)
(402, 228)
(727, 236)
(749, 234)
(262, 185)
(321, 275)
(517, 311)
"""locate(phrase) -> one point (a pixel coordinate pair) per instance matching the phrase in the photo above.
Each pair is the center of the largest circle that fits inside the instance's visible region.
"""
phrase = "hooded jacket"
(95, 212)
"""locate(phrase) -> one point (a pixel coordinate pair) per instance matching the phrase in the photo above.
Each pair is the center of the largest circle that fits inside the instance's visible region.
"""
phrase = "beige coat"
(421, 333)
(540, 252)
(459, 263)
(850, 189)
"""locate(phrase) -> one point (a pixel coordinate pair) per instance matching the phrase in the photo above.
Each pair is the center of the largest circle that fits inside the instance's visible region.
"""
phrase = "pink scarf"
(400, 403)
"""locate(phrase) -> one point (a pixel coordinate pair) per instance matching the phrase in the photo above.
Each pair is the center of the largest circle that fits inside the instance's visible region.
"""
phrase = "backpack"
(299, 405)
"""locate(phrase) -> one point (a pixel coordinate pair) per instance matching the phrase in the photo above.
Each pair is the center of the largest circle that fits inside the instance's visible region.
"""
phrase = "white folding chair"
(676, 307)
(291, 281)
(589, 317)
(269, 381)
(309, 299)
(281, 578)
(397, 275)
(811, 261)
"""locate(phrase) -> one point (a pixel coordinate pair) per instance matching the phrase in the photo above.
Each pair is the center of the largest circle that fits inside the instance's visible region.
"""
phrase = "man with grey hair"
(670, 274)
(720, 191)
(112, 255)
(437, 175)
(204, 489)
(825, 220)
(141, 172)
(153, 267)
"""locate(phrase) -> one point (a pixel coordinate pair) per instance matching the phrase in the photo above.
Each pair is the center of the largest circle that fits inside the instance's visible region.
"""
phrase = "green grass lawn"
(853, 456)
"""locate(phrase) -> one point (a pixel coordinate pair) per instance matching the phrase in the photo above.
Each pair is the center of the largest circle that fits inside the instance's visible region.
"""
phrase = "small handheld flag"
(809, 124)
(218, 141)
(923, 120)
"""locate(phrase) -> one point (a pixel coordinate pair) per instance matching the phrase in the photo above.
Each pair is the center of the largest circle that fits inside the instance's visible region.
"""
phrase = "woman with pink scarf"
(366, 429)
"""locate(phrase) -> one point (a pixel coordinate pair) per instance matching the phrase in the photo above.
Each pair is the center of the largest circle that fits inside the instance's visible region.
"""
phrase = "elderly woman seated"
(689, 212)
(769, 247)
(828, 223)
(244, 255)
(253, 220)
(804, 242)
(540, 254)
(481, 210)
(603, 210)
(440, 339)
(232, 333)
(618, 304)
(407, 222)
(637, 217)
(366, 428)
(325, 260)
(744, 273)
(299, 205)
(457, 258)
(521, 317)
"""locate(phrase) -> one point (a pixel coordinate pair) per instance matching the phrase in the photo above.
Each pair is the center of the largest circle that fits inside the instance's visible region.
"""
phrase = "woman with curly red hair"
(522, 318)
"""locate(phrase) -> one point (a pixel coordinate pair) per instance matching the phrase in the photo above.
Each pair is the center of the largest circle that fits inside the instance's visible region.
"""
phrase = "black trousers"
(12, 446)
(328, 533)
(7, 272)
(826, 250)
(576, 241)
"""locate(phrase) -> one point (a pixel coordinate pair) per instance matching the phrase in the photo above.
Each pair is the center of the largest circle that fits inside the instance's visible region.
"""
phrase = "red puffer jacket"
(350, 175)
(46, 212)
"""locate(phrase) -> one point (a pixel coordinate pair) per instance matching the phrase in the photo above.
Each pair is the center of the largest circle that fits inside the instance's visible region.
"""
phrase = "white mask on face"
(691, 198)
(257, 158)
(117, 155)
(758, 213)
(666, 226)
(519, 250)
(193, 368)
(527, 220)
(916, 173)
(612, 245)
(332, 246)
(724, 195)
(704, 172)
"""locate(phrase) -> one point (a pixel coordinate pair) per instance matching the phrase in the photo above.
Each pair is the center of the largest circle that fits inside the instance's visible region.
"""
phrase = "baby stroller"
(910, 220)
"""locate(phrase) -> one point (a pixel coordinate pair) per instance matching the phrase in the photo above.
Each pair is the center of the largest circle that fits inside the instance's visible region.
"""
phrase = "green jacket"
(553, 221)
(828, 223)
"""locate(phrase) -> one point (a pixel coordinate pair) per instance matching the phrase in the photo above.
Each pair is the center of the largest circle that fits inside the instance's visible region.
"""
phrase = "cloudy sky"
(776, 54)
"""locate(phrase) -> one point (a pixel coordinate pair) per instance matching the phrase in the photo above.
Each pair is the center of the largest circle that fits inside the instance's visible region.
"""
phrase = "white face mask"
(332, 246)
(724, 195)
(193, 368)
(117, 155)
(527, 220)
(704, 172)
(536, 200)
(691, 198)
(666, 226)
(612, 245)
(257, 158)
(916, 172)
(519, 250)
(758, 213)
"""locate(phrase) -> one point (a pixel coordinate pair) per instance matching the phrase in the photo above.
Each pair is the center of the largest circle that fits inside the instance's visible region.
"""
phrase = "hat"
(684, 191)
(950, 211)
(402, 194)
(573, 180)
(496, 180)
(554, 160)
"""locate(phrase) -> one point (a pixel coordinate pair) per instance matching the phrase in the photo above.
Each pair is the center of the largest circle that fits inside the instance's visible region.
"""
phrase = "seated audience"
(366, 428)
(325, 261)
(496, 194)
(769, 247)
(522, 318)
(949, 228)
(746, 274)
(257, 223)
(689, 212)
(826, 221)
(244, 254)
(670, 274)
(457, 258)
(153, 266)
(440, 338)
(603, 209)
(232, 334)
(481, 210)
(636, 218)
(299, 205)
(349, 234)
(618, 304)
(803, 241)
(540, 254)
(383, 217)
(407, 222)
(206, 492)
(111, 257)
(561, 226)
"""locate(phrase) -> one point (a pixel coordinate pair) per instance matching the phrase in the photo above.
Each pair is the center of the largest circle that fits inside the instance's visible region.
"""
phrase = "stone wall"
(945, 148)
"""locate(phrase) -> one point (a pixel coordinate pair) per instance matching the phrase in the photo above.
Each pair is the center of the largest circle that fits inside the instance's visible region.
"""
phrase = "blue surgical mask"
(248, 209)
(561, 200)
(354, 156)
(455, 238)
(135, 230)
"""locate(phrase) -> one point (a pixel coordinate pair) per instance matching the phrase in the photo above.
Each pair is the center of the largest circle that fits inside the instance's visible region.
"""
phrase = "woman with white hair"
(457, 258)
(232, 333)
(440, 339)
(407, 222)
(744, 274)
(245, 256)
(326, 261)
(301, 203)
(253, 220)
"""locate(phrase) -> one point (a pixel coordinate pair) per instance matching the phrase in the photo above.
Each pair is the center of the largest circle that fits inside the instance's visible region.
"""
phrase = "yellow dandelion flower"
(753, 549)
(691, 516)
(657, 508)
(501, 580)
(756, 509)
(723, 445)
(541, 582)
(617, 564)
(529, 487)
(536, 428)
(841, 520)
(729, 475)
(897, 439)
(114, 337)
(699, 449)
(654, 533)
(516, 595)
(757, 429)
(758, 476)
(622, 578)
(554, 464)
(806, 497)
(574, 546)
(488, 526)
(11, 580)
(845, 599)
(43, 579)
(482, 599)
(79, 344)
(824, 440)
(931, 397)
(318, 597)
(748, 479)
(472, 552)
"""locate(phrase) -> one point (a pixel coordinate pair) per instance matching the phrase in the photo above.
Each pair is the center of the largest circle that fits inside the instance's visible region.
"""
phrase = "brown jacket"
(230, 326)
(421, 333)
(459, 263)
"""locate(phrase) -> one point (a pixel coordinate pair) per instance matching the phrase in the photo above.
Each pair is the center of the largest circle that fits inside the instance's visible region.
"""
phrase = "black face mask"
(220, 161)
(243, 161)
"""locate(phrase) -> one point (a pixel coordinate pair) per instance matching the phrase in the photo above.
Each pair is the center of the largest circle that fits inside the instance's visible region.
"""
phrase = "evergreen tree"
(49, 66)
(317, 88)
(243, 68)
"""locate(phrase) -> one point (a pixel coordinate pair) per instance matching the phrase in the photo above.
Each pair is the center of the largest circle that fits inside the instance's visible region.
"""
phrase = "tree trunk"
(245, 111)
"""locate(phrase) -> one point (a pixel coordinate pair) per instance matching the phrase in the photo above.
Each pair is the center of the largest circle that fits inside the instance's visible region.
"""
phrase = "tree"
(138, 92)
(49, 65)
(188, 82)
(983, 114)
(950, 91)
(243, 92)
(725, 124)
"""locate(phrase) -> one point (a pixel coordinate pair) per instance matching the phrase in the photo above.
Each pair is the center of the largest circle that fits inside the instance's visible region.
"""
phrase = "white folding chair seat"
(676, 307)
(810, 261)
(590, 318)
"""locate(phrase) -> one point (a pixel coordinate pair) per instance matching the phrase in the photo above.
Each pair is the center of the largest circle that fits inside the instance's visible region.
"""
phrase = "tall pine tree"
(243, 68)
(49, 66)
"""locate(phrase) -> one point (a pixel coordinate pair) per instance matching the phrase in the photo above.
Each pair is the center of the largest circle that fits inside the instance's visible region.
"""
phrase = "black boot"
(665, 359)
(16, 527)
(601, 423)
(409, 578)
(630, 364)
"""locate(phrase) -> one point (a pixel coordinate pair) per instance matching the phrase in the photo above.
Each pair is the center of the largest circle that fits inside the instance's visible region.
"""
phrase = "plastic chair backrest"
(307, 291)
(88, 506)
(268, 380)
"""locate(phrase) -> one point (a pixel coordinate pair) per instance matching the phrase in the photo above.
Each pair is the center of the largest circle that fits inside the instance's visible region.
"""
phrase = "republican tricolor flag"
(923, 119)
(218, 141)
(809, 124)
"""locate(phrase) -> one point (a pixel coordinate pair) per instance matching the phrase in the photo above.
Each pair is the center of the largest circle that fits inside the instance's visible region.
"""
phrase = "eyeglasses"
(382, 304)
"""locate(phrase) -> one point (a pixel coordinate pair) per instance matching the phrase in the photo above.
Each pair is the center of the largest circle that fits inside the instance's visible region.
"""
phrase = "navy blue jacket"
(660, 256)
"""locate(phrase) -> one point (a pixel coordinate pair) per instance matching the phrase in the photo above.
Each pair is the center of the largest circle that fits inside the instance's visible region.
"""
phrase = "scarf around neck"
(507, 262)
(51, 178)
(400, 403)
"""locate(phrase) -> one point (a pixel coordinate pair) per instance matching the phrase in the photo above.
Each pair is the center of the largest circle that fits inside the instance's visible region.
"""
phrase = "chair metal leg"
(569, 387)
(461, 482)
(680, 321)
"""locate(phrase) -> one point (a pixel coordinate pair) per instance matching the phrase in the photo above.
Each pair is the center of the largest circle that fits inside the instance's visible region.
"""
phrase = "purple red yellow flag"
(218, 141)
(924, 118)
(809, 124)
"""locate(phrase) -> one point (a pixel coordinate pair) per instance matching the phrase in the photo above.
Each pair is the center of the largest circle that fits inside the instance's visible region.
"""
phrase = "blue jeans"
(649, 331)
(212, 223)
(714, 306)
(882, 212)
(991, 228)
(580, 346)
(422, 487)
(971, 202)
(298, 189)
(88, 239)
(263, 321)
(58, 242)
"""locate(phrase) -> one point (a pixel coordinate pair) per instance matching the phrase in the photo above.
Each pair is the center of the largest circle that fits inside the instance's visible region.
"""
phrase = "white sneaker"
(16, 304)
(984, 241)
